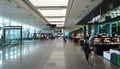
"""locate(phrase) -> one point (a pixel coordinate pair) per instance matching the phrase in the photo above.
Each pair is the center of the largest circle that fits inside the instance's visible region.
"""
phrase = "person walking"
(86, 49)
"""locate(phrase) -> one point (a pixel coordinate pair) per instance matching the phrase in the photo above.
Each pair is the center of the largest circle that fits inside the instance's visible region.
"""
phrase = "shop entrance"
(12, 35)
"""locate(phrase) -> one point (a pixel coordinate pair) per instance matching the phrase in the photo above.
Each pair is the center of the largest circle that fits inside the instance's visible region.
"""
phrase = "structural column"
(84, 30)
(109, 29)
(89, 29)
(96, 29)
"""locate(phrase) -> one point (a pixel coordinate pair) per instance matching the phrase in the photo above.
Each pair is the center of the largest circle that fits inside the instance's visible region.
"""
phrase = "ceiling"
(72, 12)
(79, 9)
(53, 11)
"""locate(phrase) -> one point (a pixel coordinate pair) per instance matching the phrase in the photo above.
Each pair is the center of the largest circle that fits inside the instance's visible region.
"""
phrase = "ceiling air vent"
(92, 0)
(83, 10)
(9, 0)
(18, 6)
(86, 6)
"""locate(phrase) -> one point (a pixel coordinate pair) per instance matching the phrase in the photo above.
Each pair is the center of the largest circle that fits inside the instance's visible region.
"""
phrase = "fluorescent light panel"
(51, 8)
(55, 19)
(55, 16)
(49, 2)
(60, 25)
(53, 12)
(57, 23)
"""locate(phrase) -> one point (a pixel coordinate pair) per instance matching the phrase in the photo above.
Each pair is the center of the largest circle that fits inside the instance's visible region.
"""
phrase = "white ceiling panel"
(60, 25)
(49, 2)
(56, 22)
(55, 19)
(53, 12)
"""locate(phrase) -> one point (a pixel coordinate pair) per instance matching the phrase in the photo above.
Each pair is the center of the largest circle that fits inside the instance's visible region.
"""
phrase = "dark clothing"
(76, 40)
(65, 39)
(86, 49)
(81, 42)
(85, 46)
(86, 56)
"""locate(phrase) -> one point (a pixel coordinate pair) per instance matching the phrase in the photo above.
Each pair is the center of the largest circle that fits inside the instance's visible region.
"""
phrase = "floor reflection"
(17, 52)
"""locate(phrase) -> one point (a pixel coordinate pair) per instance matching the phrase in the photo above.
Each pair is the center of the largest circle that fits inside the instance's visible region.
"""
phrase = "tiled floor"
(51, 54)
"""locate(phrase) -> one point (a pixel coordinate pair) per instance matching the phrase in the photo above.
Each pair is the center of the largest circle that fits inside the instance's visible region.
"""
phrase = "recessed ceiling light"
(56, 22)
(49, 2)
(60, 25)
(55, 16)
(51, 8)
(53, 12)
(55, 19)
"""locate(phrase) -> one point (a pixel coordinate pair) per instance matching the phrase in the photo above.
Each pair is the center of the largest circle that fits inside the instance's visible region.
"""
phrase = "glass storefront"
(116, 28)
(108, 23)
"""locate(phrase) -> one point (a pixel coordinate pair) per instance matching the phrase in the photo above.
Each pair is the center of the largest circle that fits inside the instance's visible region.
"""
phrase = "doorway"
(12, 35)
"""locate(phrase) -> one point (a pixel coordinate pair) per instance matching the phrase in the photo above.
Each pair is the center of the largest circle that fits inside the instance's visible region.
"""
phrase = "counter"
(105, 47)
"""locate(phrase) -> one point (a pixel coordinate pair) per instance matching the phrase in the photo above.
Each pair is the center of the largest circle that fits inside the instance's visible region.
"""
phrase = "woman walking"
(86, 49)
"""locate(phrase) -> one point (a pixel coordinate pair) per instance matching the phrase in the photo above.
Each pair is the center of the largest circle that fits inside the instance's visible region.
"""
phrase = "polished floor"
(49, 54)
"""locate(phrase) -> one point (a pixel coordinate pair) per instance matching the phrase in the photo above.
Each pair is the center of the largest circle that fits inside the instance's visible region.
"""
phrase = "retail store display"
(106, 39)
(103, 42)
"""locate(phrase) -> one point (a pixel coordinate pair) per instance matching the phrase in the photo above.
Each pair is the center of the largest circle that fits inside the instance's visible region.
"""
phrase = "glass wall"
(26, 28)
(11, 15)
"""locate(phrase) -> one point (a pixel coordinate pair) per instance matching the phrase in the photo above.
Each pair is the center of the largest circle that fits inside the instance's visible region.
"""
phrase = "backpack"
(85, 47)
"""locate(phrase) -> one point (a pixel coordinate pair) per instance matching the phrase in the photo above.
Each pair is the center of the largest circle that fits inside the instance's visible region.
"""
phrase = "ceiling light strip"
(51, 7)
(55, 16)
(61, 12)
(56, 21)
(49, 2)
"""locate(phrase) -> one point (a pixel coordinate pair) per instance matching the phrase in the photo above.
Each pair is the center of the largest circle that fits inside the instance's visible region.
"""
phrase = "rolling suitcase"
(118, 60)
(114, 58)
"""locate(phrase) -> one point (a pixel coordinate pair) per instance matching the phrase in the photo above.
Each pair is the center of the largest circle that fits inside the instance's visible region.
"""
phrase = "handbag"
(88, 50)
